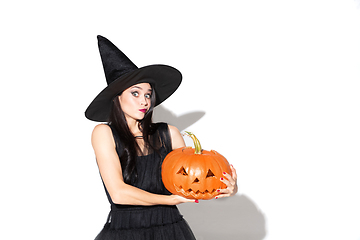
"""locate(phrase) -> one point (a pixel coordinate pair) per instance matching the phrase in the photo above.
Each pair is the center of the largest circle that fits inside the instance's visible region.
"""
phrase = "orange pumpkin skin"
(194, 176)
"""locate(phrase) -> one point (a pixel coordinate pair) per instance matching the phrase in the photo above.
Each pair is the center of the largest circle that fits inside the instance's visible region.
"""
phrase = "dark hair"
(129, 146)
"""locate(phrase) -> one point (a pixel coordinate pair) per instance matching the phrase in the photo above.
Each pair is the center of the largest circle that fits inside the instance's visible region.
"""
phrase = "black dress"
(159, 222)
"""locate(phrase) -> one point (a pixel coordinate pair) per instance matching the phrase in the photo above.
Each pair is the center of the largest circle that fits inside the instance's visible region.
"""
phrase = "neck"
(133, 126)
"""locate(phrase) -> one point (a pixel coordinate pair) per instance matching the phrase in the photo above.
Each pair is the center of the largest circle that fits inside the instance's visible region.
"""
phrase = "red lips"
(143, 110)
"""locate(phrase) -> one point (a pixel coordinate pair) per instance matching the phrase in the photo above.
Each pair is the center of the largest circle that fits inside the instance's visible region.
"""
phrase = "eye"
(182, 171)
(135, 94)
(148, 95)
(210, 174)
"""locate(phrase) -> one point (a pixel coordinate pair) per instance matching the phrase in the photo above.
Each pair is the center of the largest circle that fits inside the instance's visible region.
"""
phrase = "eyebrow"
(141, 88)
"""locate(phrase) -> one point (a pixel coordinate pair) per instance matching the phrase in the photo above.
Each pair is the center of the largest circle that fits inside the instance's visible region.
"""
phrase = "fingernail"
(216, 197)
(197, 201)
(224, 173)
(218, 190)
(221, 178)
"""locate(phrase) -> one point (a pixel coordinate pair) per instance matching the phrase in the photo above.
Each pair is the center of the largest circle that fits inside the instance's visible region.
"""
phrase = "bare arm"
(111, 173)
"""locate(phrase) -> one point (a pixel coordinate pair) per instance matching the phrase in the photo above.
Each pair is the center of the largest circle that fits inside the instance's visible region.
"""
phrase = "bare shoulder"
(173, 129)
(176, 137)
(101, 134)
(101, 128)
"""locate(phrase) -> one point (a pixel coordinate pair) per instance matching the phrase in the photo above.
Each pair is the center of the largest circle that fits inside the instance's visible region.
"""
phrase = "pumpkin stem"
(196, 142)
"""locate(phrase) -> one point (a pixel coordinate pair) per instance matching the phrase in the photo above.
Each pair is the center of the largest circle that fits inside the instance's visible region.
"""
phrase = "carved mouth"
(195, 194)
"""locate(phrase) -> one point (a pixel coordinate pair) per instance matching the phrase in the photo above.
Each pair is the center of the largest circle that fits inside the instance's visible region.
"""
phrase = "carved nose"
(196, 180)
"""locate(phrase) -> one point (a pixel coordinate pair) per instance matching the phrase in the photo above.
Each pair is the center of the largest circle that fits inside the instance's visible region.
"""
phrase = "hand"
(176, 199)
(230, 181)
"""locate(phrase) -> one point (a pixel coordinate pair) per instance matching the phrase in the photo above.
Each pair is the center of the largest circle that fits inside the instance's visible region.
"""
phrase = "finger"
(224, 191)
(192, 200)
(224, 180)
(233, 172)
(222, 196)
(229, 187)
(230, 179)
(182, 199)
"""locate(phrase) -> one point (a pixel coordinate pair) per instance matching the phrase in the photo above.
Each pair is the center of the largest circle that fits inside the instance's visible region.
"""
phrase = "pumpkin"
(194, 173)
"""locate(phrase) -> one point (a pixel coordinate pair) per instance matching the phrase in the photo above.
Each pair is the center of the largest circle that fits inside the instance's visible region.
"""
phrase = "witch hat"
(121, 73)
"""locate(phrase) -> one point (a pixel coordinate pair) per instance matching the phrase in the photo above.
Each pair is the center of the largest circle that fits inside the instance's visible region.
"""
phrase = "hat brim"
(164, 79)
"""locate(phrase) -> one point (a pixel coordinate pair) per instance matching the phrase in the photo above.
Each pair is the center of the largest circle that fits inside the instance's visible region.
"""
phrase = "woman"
(130, 149)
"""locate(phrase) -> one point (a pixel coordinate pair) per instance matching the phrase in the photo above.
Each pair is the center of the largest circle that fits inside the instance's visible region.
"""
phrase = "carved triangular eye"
(210, 174)
(182, 171)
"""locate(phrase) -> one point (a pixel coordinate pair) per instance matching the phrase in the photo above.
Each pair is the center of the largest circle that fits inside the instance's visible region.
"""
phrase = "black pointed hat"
(121, 73)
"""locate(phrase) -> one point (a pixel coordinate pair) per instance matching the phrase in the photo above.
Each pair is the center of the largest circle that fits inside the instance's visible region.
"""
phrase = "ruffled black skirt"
(145, 223)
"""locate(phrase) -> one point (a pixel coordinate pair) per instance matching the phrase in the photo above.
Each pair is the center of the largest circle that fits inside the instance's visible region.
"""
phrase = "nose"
(144, 101)
(196, 180)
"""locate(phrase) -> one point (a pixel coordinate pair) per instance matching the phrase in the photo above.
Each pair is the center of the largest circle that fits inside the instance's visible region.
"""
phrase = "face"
(136, 101)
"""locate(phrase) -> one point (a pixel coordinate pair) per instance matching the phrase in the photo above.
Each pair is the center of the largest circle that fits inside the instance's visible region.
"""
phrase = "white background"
(272, 85)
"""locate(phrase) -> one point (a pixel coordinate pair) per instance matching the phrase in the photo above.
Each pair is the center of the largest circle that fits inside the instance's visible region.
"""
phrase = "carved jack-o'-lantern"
(194, 173)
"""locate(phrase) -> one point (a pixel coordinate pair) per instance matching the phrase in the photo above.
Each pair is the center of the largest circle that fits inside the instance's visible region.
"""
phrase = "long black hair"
(129, 145)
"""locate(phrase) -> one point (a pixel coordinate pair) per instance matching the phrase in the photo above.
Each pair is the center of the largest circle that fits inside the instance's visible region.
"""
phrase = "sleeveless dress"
(159, 222)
